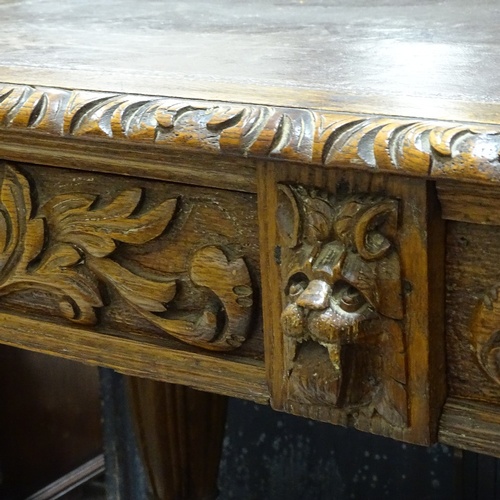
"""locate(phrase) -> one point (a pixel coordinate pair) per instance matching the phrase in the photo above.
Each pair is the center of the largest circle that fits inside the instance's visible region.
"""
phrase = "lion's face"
(340, 281)
(327, 313)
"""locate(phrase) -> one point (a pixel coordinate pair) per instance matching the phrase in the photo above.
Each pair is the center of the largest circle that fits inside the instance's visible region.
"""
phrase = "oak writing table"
(295, 203)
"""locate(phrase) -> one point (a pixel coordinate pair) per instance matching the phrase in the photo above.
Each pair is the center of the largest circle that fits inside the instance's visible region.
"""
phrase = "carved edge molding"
(66, 247)
(468, 152)
(485, 330)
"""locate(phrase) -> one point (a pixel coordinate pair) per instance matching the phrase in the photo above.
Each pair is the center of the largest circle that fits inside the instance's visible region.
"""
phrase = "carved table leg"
(180, 432)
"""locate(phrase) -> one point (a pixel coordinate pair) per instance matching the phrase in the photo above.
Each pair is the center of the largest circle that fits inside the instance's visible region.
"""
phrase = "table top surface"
(403, 57)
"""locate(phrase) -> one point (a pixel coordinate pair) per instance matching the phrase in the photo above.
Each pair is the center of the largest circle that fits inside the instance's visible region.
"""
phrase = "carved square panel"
(353, 312)
(150, 261)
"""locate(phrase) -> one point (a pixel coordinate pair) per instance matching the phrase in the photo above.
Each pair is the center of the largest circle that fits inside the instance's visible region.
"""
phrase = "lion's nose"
(316, 296)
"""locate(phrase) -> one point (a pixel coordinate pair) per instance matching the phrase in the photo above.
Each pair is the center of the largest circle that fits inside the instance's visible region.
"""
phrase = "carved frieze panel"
(355, 329)
(104, 248)
(473, 311)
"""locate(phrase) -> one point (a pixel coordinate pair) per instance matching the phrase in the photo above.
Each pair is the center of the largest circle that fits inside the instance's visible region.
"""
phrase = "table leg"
(180, 432)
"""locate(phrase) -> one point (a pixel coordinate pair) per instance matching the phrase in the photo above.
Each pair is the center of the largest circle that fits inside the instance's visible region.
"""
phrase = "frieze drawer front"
(163, 265)
(357, 331)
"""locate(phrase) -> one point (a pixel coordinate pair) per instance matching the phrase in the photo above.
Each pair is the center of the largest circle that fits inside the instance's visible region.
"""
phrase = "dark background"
(274, 456)
(55, 414)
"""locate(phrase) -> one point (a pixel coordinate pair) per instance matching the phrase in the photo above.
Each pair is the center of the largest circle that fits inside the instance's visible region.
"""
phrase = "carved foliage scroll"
(486, 332)
(343, 337)
(67, 248)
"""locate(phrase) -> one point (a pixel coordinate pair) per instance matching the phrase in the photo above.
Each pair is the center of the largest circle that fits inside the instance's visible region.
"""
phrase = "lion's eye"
(348, 297)
(297, 289)
(296, 285)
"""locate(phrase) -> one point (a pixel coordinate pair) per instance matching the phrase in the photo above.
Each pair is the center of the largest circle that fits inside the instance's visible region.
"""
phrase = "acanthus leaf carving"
(344, 343)
(67, 249)
(230, 281)
(24, 243)
(96, 230)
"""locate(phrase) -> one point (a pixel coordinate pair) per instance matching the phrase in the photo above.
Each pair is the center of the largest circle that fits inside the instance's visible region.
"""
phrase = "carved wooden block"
(353, 337)
(341, 278)
(113, 255)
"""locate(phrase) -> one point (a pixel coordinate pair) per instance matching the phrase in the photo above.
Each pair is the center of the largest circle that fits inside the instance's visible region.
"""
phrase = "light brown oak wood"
(472, 425)
(95, 257)
(403, 58)
(172, 173)
(465, 152)
(473, 275)
(375, 362)
(469, 203)
(236, 377)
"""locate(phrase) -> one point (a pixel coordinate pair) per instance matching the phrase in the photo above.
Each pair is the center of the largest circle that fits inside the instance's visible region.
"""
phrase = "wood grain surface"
(232, 376)
(140, 251)
(403, 57)
(154, 244)
(180, 433)
(469, 203)
(473, 275)
(471, 425)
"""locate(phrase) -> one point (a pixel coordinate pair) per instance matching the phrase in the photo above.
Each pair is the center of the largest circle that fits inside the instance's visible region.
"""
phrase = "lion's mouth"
(315, 376)
(321, 347)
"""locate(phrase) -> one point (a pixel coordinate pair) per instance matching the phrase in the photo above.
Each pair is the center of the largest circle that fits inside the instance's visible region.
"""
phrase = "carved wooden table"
(294, 204)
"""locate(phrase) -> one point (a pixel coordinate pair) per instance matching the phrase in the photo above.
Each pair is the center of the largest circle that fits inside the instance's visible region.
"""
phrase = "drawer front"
(114, 265)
